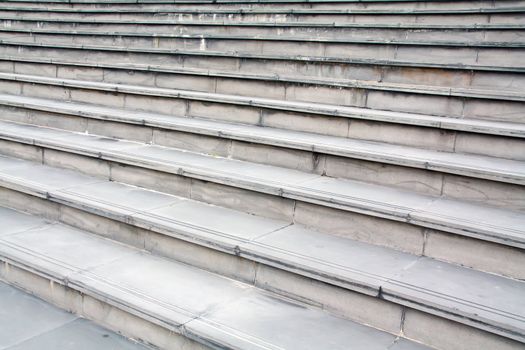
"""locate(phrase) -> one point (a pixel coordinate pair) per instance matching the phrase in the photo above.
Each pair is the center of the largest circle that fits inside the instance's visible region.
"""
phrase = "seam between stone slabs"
(494, 328)
(272, 187)
(44, 332)
(295, 58)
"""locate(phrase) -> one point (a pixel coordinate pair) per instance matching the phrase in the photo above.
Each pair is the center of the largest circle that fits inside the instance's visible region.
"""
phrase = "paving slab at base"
(179, 295)
(29, 323)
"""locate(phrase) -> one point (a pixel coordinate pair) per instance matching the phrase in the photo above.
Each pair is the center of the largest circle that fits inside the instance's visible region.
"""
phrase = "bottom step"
(28, 323)
(207, 308)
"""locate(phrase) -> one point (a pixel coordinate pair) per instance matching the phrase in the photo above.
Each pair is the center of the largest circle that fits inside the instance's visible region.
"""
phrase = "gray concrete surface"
(29, 323)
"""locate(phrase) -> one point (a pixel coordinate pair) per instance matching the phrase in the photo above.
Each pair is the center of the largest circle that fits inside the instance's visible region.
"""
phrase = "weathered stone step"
(474, 220)
(449, 57)
(374, 7)
(191, 305)
(252, 88)
(245, 132)
(314, 17)
(260, 134)
(466, 36)
(442, 82)
(330, 120)
(510, 171)
(47, 60)
(487, 301)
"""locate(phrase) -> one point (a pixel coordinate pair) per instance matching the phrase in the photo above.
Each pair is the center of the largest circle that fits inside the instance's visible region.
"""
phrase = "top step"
(441, 6)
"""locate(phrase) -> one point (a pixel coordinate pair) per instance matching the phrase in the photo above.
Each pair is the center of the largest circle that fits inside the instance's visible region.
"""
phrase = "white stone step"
(476, 166)
(451, 35)
(330, 12)
(218, 19)
(485, 301)
(445, 6)
(249, 133)
(447, 57)
(365, 7)
(414, 109)
(202, 306)
(513, 93)
(474, 220)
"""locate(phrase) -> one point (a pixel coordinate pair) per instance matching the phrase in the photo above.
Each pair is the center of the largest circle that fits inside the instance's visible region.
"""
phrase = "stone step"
(166, 303)
(487, 302)
(485, 11)
(504, 137)
(415, 7)
(24, 109)
(504, 18)
(410, 55)
(462, 103)
(168, 35)
(434, 177)
(460, 35)
(409, 80)
(464, 218)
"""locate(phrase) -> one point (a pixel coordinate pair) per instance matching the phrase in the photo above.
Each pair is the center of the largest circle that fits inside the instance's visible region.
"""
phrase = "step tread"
(483, 222)
(460, 42)
(498, 169)
(196, 303)
(510, 94)
(421, 11)
(302, 58)
(233, 23)
(400, 277)
(464, 124)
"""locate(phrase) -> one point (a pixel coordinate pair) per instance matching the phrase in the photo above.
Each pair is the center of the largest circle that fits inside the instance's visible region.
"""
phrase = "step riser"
(482, 56)
(417, 240)
(445, 36)
(373, 99)
(388, 316)
(289, 71)
(434, 19)
(95, 308)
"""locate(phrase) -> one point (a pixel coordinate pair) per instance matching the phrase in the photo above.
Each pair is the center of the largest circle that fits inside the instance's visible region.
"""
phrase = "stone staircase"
(269, 174)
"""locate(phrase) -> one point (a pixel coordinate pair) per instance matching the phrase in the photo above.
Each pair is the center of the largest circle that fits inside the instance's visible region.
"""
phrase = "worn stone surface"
(349, 174)
(30, 323)
(176, 293)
